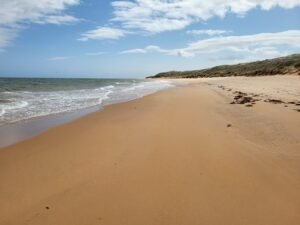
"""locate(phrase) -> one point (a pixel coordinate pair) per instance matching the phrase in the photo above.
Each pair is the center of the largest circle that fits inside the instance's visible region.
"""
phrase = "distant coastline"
(283, 65)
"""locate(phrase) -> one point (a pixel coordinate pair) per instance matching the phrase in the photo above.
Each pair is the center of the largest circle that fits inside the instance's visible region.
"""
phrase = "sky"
(138, 38)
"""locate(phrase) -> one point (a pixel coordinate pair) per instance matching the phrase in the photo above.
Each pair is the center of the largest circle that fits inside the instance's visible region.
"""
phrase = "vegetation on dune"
(283, 65)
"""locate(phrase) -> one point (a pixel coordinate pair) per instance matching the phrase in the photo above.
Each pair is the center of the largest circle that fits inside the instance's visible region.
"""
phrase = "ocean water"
(27, 98)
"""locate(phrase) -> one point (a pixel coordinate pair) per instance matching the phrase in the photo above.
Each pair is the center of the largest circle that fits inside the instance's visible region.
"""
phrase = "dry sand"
(178, 157)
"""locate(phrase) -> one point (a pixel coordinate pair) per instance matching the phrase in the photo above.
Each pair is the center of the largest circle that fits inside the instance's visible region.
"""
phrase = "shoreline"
(184, 155)
(31, 106)
(15, 132)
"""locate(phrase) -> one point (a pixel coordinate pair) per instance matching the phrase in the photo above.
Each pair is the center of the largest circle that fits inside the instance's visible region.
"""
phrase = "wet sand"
(19, 131)
(180, 156)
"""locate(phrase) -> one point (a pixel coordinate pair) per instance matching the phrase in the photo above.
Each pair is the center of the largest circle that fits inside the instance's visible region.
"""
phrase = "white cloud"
(256, 45)
(135, 51)
(156, 16)
(6, 35)
(59, 58)
(95, 53)
(17, 14)
(148, 49)
(259, 53)
(58, 19)
(102, 33)
(244, 43)
(208, 32)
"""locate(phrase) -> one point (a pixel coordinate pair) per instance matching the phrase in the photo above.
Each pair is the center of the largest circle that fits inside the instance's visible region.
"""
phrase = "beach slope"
(182, 156)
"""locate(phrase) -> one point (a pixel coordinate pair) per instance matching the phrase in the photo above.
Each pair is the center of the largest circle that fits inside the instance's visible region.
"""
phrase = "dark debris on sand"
(274, 101)
(249, 100)
(243, 98)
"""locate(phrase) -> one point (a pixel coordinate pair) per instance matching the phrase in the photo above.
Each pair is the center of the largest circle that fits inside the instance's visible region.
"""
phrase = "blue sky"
(99, 38)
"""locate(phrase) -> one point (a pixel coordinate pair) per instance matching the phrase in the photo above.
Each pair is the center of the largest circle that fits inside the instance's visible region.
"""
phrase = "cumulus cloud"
(17, 14)
(208, 32)
(156, 16)
(102, 33)
(262, 45)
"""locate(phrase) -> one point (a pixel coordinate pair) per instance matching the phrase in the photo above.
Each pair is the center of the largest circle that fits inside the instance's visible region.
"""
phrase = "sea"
(24, 99)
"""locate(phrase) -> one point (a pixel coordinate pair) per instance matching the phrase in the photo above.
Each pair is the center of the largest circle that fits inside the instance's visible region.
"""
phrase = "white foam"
(133, 88)
(13, 105)
(107, 87)
(26, 104)
(2, 111)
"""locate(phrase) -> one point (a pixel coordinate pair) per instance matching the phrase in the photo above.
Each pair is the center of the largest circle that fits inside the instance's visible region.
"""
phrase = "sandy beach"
(183, 156)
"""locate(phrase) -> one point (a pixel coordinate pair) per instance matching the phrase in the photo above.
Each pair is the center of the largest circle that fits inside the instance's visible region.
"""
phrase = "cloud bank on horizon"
(263, 44)
(146, 19)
